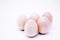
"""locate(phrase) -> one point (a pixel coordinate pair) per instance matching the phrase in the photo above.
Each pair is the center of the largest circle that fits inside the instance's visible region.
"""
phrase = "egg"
(21, 22)
(31, 28)
(35, 17)
(48, 16)
(43, 25)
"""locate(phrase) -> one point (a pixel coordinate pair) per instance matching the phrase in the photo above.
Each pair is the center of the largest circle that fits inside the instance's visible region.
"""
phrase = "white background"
(11, 9)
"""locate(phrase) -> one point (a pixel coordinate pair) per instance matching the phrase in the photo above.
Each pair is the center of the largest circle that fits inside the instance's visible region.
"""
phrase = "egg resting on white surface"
(35, 17)
(44, 23)
(31, 28)
(21, 22)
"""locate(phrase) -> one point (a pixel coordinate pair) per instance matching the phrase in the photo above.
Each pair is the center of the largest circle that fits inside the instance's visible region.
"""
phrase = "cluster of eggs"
(35, 24)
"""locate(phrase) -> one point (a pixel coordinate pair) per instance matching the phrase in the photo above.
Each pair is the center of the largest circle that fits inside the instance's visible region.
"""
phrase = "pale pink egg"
(35, 17)
(43, 25)
(49, 16)
(31, 28)
(21, 22)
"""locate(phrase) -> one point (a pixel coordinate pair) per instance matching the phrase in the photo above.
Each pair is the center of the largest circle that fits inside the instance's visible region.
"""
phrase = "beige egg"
(21, 22)
(31, 28)
(35, 17)
(49, 16)
(43, 25)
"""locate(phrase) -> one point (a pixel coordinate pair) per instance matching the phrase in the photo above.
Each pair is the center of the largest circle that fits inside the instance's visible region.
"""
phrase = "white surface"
(11, 9)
